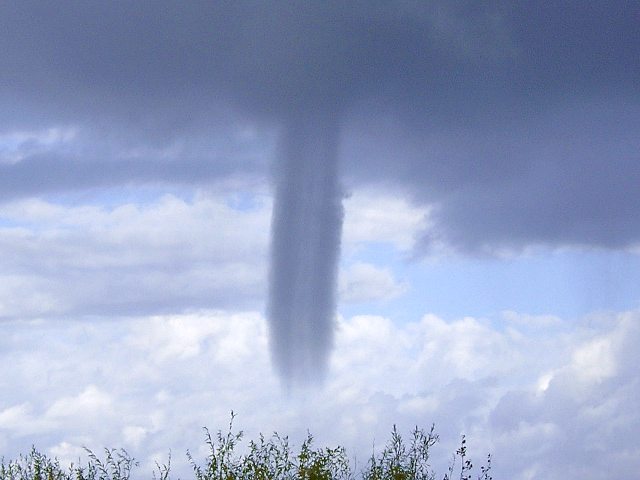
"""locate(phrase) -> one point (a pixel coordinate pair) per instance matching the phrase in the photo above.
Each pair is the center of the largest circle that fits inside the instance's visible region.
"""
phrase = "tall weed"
(266, 459)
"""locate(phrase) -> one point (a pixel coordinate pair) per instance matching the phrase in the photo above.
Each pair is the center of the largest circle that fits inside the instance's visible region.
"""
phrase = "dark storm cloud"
(105, 58)
(565, 175)
(473, 89)
(50, 174)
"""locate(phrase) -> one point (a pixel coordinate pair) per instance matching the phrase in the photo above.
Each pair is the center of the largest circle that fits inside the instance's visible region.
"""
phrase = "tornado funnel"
(306, 231)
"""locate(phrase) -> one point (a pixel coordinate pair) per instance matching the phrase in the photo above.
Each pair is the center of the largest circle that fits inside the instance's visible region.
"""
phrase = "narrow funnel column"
(306, 230)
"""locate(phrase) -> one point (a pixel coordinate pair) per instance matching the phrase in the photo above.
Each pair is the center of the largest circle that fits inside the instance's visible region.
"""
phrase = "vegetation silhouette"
(266, 459)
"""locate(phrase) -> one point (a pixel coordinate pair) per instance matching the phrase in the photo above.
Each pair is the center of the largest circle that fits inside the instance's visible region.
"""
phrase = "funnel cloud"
(306, 229)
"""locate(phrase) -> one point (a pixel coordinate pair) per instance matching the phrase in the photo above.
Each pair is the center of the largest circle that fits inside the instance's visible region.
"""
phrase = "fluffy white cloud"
(548, 403)
(583, 416)
(362, 282)
(379, 216)
(91, 401)
(165, 254)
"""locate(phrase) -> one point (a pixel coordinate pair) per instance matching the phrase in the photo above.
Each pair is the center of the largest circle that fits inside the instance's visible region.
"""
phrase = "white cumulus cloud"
(549, 403)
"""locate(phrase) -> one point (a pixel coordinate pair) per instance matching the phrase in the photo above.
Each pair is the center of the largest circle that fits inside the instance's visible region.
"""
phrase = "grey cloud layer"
(515, 120)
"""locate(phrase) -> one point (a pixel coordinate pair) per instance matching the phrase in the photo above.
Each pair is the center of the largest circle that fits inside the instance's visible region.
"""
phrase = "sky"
(489, 260)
